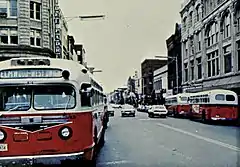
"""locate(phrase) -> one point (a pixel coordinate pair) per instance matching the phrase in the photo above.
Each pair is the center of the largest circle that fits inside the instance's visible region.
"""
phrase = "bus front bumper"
(41, 159)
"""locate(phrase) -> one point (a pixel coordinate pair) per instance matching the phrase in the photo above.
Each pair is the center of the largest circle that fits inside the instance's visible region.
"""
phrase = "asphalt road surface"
(168, 142)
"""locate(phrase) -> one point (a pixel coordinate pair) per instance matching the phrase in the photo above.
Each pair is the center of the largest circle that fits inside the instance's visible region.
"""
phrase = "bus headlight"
(65, 133)
(3, 135)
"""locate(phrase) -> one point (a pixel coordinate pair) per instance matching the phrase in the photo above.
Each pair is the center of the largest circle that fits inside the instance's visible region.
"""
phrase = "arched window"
(226, 26)
(191, 19)
(212, 32)
(198, 13)
(184, 24)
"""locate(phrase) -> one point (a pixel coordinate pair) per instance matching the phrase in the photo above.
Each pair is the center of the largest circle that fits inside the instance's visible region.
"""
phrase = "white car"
(110, 111)
(157, 110)
(128, 110)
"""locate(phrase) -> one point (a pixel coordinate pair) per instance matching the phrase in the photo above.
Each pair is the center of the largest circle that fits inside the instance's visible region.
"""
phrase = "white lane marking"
(114, 162)
(148, 119)
(229, 146)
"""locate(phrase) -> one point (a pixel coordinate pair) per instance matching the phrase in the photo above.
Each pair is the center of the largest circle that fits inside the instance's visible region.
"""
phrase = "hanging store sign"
(58, 42)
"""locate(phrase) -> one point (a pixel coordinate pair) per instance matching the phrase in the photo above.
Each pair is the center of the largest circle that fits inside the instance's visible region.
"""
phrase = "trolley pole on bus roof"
(85, 17)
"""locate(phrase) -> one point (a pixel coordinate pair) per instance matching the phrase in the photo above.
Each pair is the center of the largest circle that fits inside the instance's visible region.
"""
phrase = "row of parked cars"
(129, 110)
(126, 110)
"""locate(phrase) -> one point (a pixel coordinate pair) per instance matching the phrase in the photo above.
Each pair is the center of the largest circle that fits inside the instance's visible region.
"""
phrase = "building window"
(238, 54)
(191, 46)
(185, 24)
(238, 20)
(213, 64)
(158, 84)
(185, 49)
(8, 7)
(226, 26)
(186, 72)
(8, 36)
(35, 38)
(212, 34)
(198, 39)
(35, 10)
(192, 69)
(227, 59)
(191, 19)
(198, 13)
(199, 67)
(13, 8)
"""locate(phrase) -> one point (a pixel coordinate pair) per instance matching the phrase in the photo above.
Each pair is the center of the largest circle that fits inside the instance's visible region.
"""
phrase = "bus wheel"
(174, 114)
(105, 122)
(204, 117)
(102, 139)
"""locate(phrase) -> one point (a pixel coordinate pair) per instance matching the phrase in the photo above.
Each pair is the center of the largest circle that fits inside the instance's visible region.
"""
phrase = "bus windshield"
(48, 97)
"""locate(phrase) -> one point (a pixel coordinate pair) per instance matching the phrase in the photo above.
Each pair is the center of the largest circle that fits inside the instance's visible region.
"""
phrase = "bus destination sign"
(30, 73)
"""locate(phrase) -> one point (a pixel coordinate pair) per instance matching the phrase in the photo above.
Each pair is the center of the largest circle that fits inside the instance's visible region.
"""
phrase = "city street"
(141, 141)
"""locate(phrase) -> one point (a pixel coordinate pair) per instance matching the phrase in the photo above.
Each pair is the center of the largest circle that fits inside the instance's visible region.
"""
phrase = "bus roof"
(76, 70)
(179, 95)
(214, 91)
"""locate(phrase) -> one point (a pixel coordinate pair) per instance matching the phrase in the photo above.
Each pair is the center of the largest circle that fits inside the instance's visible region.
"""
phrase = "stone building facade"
(27, 27)
(210, 44)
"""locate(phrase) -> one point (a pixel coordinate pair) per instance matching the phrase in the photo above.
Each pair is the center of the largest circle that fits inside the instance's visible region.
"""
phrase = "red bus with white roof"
(52, 111)
(218, 104)
(178, 105)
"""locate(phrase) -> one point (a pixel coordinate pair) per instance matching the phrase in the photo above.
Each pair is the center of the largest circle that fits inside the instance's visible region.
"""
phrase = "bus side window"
(86, 94)
(230, 98)
(220, 97)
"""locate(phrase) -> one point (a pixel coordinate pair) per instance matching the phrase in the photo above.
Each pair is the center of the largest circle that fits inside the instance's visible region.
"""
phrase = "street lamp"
(97, 71)
(176, 60)
(86, 17)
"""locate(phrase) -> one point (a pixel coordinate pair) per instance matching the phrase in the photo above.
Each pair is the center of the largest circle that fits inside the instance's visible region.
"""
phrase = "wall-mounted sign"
(58, 34)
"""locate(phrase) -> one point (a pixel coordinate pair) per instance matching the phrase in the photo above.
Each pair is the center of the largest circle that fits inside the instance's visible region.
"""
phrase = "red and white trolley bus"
(178, 105)
(51, 111)
(215, 104)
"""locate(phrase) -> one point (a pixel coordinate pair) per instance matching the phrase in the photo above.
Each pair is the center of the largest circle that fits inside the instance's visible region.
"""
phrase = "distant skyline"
(131, 31)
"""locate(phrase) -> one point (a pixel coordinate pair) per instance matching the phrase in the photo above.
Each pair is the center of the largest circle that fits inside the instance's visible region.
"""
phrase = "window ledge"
(198, 51)
(36, 46)
(227, 39)
(212, 46)
(8, 44)
(199, 80)
(212, 77)
(31, 19)
(12, 17)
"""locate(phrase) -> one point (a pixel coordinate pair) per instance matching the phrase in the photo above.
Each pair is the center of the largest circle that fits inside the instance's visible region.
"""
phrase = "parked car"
(147, 107)
(128, 110)
(140, 108)
(157, 110)
(116, 106)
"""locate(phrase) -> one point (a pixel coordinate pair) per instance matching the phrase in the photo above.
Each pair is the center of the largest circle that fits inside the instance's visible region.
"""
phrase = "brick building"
(174, 74)
(148, 66)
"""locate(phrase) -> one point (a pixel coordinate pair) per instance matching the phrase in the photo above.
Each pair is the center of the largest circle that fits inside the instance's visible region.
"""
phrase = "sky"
(131, 31)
